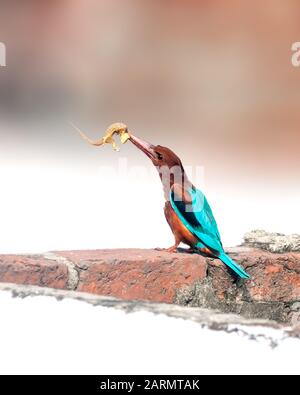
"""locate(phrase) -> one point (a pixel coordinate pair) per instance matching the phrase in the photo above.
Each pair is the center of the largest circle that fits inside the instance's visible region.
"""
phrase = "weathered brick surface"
(272, 292)
(151, 275)
(275, 277)
(33, 270)
(136, 274)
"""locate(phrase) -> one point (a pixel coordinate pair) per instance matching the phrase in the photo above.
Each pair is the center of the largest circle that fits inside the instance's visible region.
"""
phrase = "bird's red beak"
(144, 146)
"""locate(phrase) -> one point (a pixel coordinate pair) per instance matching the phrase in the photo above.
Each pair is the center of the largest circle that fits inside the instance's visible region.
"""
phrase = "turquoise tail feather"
(234, 266)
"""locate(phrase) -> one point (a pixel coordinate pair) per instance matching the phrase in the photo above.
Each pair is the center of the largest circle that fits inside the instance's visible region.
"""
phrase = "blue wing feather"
(199, 220)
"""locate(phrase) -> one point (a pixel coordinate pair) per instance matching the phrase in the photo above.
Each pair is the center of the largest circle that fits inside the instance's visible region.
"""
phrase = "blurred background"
(212, 80)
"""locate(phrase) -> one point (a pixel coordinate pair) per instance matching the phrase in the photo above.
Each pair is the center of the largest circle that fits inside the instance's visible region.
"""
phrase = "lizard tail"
(86, 138)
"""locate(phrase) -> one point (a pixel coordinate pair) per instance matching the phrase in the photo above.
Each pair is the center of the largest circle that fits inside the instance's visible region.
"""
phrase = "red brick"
(274, 277)
(136, 274)
(33, 270)
(156, 276)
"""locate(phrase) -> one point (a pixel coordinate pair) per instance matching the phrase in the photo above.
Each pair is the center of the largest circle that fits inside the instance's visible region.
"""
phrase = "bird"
(187, 210)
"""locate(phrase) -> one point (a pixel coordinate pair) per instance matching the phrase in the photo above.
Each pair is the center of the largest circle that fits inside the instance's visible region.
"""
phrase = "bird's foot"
(172, 249)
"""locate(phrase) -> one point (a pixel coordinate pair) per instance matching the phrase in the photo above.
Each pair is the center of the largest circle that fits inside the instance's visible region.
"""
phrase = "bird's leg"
(172, 249)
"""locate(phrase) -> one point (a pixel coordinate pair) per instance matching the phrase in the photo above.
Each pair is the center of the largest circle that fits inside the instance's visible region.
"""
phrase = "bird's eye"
(159, 156)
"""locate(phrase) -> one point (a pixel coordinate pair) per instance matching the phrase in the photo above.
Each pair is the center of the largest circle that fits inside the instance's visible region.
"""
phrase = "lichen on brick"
(273, 242)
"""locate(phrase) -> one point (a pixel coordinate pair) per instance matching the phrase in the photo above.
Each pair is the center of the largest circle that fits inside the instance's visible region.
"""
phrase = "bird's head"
(160, 156)
(167, 163)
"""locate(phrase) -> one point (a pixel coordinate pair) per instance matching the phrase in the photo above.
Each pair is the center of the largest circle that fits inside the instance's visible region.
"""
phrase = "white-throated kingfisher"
(186, 209)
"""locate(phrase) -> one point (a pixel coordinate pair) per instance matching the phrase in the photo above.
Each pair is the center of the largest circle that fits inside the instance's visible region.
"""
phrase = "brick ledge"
(188, 279)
